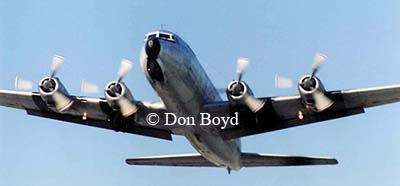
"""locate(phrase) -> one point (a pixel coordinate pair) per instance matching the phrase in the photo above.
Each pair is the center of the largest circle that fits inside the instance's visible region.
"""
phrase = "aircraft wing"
(93, 112)
(247, 160)
(283, 112)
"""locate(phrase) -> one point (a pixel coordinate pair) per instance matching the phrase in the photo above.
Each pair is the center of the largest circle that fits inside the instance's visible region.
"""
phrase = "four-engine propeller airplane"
(185, 90)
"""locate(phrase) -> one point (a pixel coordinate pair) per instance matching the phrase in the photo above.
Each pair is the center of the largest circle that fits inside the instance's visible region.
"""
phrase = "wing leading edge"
(247, 160)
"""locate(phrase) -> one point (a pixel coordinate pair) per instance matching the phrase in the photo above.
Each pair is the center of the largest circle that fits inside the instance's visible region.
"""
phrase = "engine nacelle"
(54, 94)
(119, 98)
(312, 94)
(237, 97)
(239, 93)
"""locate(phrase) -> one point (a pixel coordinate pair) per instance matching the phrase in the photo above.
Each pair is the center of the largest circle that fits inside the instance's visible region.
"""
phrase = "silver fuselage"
(185, 90)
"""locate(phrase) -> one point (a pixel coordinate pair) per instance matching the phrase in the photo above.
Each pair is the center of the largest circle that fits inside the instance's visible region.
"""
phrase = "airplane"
(178, 78)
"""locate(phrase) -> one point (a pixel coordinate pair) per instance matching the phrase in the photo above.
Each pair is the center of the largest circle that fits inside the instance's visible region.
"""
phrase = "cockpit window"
(152, 35)
(160, 35)
(165, 36)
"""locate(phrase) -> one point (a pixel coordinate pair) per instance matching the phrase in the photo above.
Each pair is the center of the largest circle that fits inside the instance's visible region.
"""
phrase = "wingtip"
(331, 161)
(129, 162)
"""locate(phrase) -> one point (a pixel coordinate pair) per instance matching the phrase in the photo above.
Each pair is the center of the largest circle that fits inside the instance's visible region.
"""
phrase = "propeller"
(241, 67)
(21, 84)
(89, 88)
(321, 101)
(125, 105)
(61, 101)
(57, 61)
(115, 90)
(319, 58)
(250, 101)
(242, 64)
(125, 67)
(49, 84)
(283, 82)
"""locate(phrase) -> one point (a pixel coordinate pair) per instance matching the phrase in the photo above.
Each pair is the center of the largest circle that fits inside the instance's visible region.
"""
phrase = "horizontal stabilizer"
(247, 160)
(185, 160)
(264, 160)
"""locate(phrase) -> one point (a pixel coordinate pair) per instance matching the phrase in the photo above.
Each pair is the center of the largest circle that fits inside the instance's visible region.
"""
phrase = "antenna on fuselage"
(162, 25)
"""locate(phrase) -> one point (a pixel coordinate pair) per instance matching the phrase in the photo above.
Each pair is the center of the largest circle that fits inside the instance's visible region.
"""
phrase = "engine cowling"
(239, 93)
(119, 98)
(312, 92)
(54, 94)
(237, 97)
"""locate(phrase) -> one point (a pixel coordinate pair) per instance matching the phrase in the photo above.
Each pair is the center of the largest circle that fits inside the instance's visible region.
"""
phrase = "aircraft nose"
(152, 48)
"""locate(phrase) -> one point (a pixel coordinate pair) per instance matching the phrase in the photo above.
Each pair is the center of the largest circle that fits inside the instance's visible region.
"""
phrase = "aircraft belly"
(181, 96)
(186, 88)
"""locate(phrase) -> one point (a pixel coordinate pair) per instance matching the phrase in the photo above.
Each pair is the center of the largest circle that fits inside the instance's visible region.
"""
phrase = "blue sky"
(361, 39)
